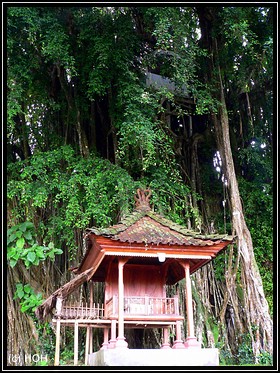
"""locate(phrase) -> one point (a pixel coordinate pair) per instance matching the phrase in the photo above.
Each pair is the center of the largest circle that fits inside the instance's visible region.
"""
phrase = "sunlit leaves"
(55, 47)
(29, 300)
(22, 245)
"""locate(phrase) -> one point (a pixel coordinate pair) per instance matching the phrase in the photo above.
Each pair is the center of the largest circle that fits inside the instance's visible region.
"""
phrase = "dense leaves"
(22, 245)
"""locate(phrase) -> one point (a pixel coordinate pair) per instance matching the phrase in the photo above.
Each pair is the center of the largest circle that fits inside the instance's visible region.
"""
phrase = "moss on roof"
(131, 219)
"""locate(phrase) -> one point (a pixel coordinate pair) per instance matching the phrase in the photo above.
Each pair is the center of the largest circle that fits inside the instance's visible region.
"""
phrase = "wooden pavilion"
(135, 259)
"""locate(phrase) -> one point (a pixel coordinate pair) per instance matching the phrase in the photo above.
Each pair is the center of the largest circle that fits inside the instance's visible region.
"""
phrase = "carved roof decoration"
(142, 200)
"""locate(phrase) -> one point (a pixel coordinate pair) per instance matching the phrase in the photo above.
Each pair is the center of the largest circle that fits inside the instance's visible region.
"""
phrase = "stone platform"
(155, 357)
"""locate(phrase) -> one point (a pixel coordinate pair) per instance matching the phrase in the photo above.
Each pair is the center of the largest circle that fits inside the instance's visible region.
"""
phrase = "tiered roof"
(143, 235)
(149, 227)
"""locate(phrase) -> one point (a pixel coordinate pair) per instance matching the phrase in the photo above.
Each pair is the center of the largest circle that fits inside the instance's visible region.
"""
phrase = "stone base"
(121, 343)
(155, 357)
(192, 342)
(178, 344)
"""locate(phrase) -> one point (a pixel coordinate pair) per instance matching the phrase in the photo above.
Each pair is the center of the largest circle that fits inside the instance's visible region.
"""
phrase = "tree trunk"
(255, 304)
(258, 320)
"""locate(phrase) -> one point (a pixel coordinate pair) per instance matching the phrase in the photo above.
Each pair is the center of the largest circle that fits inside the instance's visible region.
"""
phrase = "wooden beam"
(189, 306)
(90, 341)
(90, 294)
(178, 343)
(45, 308)
(76, 342)
(84, 321)
(191, 339)
(57, 343)
(154, 254)
(87, 345)
(165, 343)
(105, 339)
(112, 341)
(121, 339)
(216, 245)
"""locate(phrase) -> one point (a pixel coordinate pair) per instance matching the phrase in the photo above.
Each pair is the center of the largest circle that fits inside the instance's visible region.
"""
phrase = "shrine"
(136, 260)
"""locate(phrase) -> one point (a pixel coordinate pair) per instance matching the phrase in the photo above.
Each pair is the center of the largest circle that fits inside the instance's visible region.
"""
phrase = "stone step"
(155, 357)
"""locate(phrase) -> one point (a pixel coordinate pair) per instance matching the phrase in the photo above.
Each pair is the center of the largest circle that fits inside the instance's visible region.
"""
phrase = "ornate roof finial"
(143, 199)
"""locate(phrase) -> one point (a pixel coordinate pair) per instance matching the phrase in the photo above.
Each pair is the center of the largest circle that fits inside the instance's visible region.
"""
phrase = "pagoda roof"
(146, 226)
(143, 236)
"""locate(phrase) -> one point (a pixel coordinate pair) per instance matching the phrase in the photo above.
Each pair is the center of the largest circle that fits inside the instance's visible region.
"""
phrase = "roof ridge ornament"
(143, 199)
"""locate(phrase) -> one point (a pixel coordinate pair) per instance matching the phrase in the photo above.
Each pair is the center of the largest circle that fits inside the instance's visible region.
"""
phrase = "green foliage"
(257, 162)
(25, 77)
(245, 353)
(205, 102)
(22, 246)
(46, 342)
(29, 301)
(265, 359)
(110, 45)
(225, 357)
(56, 46)
(66, 357)
(170, 195)
(139, 135)
(73, 192)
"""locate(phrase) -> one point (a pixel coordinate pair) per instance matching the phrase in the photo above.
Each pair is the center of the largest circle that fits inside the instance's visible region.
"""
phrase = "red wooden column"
(57, 343)
(120, 338)
(191, 340)
(112, 342)
(106, 338)
(87, 345)
(178, 343)
(76, 342)
(165, 342)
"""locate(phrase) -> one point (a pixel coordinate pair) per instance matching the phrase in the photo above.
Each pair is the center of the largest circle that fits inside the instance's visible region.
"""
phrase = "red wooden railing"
(81, 311)
(144, 306)
(147, 306)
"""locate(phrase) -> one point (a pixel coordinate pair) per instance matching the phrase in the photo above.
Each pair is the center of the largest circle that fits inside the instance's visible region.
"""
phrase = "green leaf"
(19, 286)
(58, 251)
(27, 235)
(20, 294)
(26, 225)
(11, 238)
(19, 291)
(51, 255)
(40, 253)
(24, 307)
(24, 254)
(31, 256)
(19, 234)
(13, 262)
(20, 243)
(27, 288)
(12, 253)
(36, 261)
